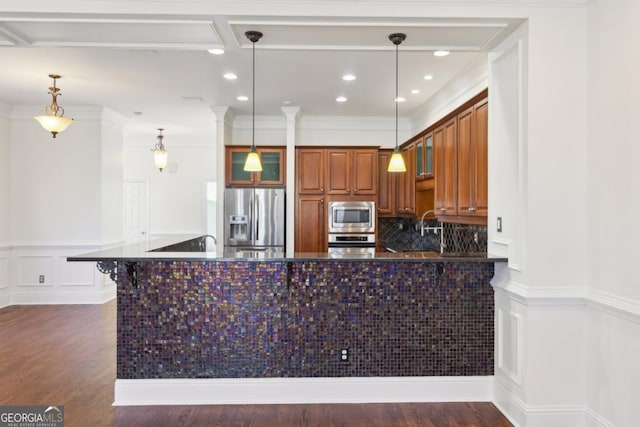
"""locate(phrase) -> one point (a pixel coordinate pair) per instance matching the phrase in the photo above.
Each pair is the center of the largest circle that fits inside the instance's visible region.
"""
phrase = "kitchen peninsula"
(188, 314)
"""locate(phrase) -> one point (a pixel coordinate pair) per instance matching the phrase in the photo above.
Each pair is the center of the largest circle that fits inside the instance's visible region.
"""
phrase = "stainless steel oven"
(352, 245)
(352, 217)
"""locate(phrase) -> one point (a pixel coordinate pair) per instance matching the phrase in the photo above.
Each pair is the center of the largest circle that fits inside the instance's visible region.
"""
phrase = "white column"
(291, 113)
(224, 118)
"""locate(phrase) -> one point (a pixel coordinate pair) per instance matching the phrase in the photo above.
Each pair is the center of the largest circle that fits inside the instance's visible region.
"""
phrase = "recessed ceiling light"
(137, 113)
(216, 51)
(441, 53)
(428, 77)
(230, 76)
(242, 98)
(400, 99)
(415, 91)
(341, 99)
(348, 77)
(287, 102)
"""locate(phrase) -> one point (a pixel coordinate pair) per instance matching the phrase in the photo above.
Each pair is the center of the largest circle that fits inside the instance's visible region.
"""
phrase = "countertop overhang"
(147, 250)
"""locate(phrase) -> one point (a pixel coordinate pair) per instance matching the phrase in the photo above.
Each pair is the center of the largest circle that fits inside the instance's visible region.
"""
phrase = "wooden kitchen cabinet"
(424, 157)
(310, 226)
(473, 161)
(325, 174)
(461, 164)
(406, 187)
(445, 168)
(387, 185)
(273, 166)
(352, 171)
(310, 170)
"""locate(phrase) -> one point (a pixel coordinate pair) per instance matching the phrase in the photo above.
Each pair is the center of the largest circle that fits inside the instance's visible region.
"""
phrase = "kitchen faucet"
(203, 242)
(436, 229)
(422, 227)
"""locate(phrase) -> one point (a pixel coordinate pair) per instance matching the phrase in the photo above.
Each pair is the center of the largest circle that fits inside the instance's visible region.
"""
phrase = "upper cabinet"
(406, 192)
(352, 172)
(446, 168)
(387, 185)
(424, 157)
(310, 171)
(273, 166)
(461, 164)
(473, 161)
(397, 190)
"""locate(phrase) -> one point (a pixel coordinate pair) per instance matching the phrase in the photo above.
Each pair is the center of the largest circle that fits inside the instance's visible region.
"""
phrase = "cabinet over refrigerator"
(254, 219)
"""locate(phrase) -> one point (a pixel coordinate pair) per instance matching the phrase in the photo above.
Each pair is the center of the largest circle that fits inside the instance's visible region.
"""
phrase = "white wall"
(177, 198)
(66, 198)
(613, 155)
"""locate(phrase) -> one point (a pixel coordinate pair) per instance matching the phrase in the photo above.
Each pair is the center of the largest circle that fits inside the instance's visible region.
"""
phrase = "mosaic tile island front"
(302, 316)
(242, 319)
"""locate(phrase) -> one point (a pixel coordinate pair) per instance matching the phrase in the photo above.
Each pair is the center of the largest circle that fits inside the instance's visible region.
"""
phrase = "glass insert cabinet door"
(424, 157)
(420, 158)
(428, 155)
(273, 166)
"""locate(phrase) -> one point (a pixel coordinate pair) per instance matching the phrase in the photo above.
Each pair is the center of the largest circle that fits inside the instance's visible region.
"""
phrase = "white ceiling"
(159, 65)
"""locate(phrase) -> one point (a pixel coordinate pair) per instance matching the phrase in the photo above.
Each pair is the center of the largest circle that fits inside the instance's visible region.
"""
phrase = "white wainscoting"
(42, 275)
(302, 390)
(593, 318)
(5, 292)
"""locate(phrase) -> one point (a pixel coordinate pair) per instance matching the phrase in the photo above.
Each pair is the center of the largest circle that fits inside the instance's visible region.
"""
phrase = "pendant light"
(53, 120)
(396, 163)
(253, 162)
(160, 154)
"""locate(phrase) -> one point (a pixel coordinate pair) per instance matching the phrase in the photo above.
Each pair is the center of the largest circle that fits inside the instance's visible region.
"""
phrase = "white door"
(135, 210)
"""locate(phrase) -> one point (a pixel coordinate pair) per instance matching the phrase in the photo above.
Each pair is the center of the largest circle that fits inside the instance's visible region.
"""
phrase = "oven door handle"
(352, 245)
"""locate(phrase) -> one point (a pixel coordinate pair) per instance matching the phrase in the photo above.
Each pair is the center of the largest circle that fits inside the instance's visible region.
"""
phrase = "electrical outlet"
(344, 354)
(41, 278)
(499, 224)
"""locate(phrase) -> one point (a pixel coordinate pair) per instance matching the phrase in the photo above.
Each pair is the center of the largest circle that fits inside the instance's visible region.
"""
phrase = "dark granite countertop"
(148, 250)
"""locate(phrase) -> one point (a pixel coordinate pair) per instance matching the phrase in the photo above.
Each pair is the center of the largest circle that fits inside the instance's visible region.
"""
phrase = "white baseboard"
(51, 296)
(521, 414)
(302, 390)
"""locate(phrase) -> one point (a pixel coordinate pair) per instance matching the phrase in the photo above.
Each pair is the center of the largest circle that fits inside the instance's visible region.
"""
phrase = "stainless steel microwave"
(352, 217)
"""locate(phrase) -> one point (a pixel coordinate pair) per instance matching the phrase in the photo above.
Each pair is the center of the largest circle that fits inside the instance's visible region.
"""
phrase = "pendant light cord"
(253, 100)
(396, 100)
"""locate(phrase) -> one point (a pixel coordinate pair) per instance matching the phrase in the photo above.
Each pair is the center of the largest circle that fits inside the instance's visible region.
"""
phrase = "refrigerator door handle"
(257, 203)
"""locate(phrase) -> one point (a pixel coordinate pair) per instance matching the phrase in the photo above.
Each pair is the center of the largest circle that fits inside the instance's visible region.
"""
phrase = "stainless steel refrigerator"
(254, 219)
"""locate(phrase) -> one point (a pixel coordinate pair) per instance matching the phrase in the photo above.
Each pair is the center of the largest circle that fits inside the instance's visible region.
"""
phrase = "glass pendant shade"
(160, 154)
(54, 124)
(253, 162)
(160, 157)
(396, 163)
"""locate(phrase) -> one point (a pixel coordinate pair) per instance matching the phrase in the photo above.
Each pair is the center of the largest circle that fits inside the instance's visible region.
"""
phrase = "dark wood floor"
(65, 355)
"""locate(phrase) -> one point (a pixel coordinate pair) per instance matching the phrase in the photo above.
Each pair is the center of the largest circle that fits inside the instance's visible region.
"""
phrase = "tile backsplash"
(403, 234)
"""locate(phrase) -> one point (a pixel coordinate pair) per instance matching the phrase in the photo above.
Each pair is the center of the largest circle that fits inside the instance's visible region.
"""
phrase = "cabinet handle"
(321, 200)
(322, 190)
(472, 209)
(347, 190)
(443, 209)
